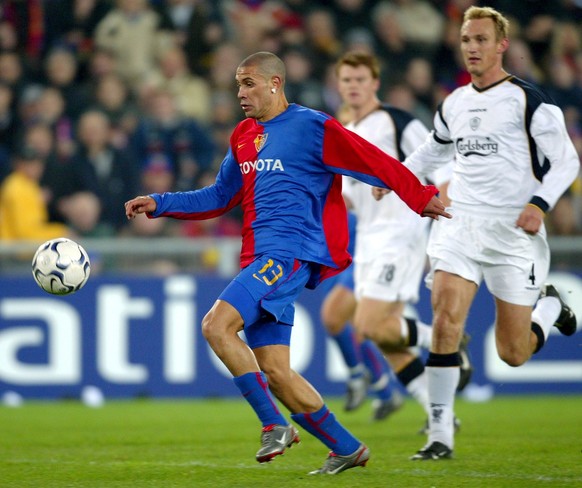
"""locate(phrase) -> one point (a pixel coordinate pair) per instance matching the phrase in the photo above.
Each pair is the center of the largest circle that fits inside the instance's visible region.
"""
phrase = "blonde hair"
(500, 22)
(358, 58)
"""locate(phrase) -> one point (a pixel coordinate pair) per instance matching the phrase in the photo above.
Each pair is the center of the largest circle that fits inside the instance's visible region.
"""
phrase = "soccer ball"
(61, 266)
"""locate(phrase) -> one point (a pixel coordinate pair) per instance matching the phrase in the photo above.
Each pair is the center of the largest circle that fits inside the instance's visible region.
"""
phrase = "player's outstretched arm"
(139, 205)
(435, 209)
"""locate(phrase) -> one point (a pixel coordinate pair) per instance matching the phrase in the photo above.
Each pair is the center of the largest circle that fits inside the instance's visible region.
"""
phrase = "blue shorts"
(264, 294)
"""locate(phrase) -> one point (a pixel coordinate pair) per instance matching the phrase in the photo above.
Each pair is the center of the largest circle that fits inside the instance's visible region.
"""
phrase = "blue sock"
(255, 390)
(323, 425)
(348, 344)
(379, 369)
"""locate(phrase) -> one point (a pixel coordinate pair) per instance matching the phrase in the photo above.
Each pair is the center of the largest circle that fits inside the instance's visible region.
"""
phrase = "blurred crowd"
(101, 100)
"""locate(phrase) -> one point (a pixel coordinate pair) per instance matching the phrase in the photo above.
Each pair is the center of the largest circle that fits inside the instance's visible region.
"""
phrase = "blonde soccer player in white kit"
(390, 248)
(513, 160)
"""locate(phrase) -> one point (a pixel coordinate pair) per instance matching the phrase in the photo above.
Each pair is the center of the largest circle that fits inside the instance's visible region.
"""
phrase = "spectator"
(8, 36)
(197, 27)
(351, 14)
(192, 93)
(72, 23)
(23, 210)
(391, 44)
(157, 177)
(563, 86)
(537, 21)
(359, 39)
(449, 70)
(101, 62)
(409, 15)
(566, 42)
(419, 77)
(225, 116)
(8, 126)
(519, 62)
(166, 135)
(113, 98)
(401, 96)
(224, 61)
(12, 72)
(51, 111)
(251, 23)
(302, 86)
(28, 21)
(132, 31)
(100, 169)
(322, 40)
(82, 211)
(41, 138)
(60, 70)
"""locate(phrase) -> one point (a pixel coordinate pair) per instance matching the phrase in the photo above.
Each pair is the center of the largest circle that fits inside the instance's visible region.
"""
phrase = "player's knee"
(512, 356)
(277, 377)
(211, 329)
(366, 329)
(207, 327)
(446, 330)
(332, 325)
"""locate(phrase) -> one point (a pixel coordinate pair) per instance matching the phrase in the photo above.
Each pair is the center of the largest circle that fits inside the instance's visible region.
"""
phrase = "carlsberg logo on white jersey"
(261, 165)
(481, 146)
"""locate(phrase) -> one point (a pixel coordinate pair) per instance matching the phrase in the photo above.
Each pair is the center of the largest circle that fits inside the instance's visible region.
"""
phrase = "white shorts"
(393, 276)
(479, 244)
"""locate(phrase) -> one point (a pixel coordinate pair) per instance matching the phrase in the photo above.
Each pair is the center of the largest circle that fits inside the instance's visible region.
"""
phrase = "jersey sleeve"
(549, 131)
(413, 135)
(345, 152)
(436, 150)
(208, 202)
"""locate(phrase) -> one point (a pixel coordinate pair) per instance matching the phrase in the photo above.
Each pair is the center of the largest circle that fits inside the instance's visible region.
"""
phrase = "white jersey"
(388, 223)
(510, 146)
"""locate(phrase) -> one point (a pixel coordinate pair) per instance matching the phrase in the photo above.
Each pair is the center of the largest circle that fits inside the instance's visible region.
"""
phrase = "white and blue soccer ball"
(61, 266)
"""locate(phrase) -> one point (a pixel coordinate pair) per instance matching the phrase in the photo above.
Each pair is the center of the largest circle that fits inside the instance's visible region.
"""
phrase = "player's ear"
(276, 84)
(503, 45)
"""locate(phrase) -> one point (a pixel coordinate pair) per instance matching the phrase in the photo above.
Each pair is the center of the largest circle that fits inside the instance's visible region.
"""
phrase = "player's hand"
(435, 209)
(530, 219)
(378, 193)
(139, 205)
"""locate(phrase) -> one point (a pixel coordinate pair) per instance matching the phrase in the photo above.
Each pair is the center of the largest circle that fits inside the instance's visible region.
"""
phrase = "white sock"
(404, 330)
(418, 389)
(423, 333)
(442, 385)
(545, 313)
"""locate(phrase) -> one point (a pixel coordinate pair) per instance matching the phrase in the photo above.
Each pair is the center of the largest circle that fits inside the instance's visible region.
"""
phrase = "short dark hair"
(268, 64)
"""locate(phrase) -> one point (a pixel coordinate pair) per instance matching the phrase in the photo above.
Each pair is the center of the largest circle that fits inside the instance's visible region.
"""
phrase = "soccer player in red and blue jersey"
(284, 168)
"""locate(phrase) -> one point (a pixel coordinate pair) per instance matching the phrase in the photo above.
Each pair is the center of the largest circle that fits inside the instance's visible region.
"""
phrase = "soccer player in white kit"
(390, 249)
(513, 160)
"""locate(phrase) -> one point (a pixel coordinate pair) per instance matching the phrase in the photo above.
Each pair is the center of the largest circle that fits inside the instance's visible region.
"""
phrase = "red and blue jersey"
(286, 175)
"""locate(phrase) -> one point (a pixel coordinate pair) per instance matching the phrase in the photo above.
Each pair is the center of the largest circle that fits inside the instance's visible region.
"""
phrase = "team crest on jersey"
(474, 123)
(260, 141)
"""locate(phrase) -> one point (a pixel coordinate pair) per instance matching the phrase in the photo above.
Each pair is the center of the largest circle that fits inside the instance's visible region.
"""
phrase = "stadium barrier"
(139, 336)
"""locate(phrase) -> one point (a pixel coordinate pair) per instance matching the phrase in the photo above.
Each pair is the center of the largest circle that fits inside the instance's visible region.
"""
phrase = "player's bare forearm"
(139, 205)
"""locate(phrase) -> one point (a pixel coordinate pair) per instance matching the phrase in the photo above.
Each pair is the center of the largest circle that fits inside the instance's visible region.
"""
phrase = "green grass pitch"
(520, 441)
